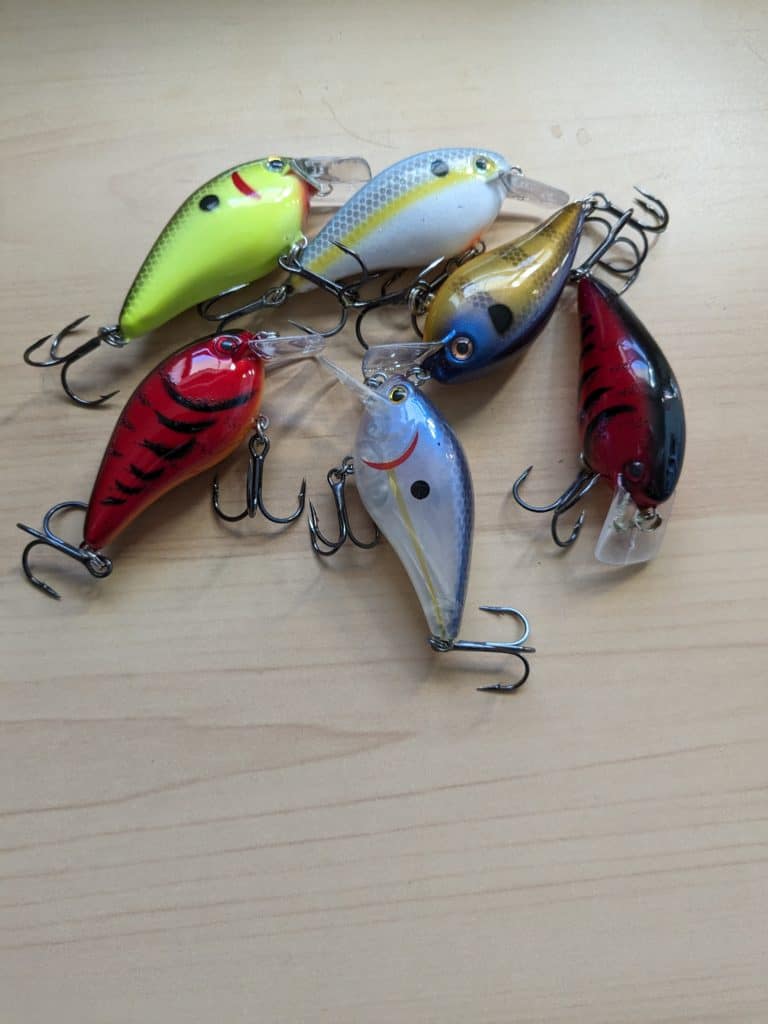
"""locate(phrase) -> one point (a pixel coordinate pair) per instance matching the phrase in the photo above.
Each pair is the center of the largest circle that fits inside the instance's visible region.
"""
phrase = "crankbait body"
(188, 414)
(631, 421)
(414, 482)
(496, 303)
(229, 232)
(424, 207)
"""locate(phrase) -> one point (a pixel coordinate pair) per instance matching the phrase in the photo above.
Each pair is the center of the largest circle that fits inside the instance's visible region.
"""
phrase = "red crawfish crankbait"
(420, 209)
(413, 479)
(229, 232)
(632, 429)
(188, 414)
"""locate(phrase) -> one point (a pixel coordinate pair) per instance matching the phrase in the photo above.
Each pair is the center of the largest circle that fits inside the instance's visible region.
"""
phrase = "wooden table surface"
(235, 783)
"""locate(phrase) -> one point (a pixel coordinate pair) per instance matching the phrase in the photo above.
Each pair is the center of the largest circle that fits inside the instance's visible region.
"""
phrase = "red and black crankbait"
(632, 429)
(188, 414)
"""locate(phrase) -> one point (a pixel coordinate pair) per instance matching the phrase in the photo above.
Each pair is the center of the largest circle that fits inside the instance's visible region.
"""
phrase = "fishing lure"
(632, 430)
(414, 481)
(188, 414)
(495, 304)
(412, 213)
(228, 233)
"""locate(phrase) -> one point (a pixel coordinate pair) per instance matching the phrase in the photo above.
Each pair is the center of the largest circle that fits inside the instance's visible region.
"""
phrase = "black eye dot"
(481, 163)
(439, 168)
(420, 489)
(209, 203)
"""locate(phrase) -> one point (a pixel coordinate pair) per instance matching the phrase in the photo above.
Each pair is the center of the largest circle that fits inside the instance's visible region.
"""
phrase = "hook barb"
(98, 565)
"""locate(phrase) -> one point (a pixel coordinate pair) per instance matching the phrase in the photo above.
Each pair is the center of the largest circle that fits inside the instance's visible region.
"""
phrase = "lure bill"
(188, 414)
(426, 206)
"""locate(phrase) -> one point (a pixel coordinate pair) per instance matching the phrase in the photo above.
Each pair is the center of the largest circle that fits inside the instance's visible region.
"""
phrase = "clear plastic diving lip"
(397, 358)
(630, 535)
(519, 186)
(333, 169)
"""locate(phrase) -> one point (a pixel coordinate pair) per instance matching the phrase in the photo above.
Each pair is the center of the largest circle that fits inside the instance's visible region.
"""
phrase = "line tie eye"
(461, 348)
(208, 203)
(398, 393)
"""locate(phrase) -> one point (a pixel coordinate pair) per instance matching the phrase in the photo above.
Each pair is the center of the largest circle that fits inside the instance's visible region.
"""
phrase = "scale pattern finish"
(230, 231)
(429, 205)
(502, 300)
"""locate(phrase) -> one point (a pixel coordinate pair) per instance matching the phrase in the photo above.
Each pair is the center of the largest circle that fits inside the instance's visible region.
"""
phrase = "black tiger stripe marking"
(125, 423)
(126, 489)
(203, 404)
(143, 398)
(113, 501)
(183, 426)
(587, 349)
(587, 326)
(146, 474)
(602, 419)
(170, 454)
(114, 453)
(587, 374)
(592, 397)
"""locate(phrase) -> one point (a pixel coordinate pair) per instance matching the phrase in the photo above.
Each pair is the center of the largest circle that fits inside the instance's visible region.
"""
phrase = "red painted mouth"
(399, 460)
(243, 186)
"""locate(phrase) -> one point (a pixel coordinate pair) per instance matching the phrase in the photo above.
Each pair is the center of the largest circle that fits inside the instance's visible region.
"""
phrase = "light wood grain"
(235, 784)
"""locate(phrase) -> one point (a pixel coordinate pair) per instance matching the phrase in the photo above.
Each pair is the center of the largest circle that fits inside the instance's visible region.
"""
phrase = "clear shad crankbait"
(414, 481)
(632, 430)
(188, 414)
(229, 232)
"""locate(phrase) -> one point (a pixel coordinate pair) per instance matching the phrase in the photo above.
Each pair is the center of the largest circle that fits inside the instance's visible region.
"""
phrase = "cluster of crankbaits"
(470, 308)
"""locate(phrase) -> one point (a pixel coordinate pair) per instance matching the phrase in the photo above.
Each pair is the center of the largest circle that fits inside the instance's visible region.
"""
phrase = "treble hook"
(109, 335)
(96, 564)
(580, 487)
(258, 448)
(337, 479)
(514, 647)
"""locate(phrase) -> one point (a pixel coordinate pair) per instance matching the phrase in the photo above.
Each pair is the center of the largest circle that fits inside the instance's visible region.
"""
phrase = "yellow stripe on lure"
(229, 232)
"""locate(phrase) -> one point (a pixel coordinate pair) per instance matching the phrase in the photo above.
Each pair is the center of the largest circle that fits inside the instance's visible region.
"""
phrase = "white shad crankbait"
(414, 481)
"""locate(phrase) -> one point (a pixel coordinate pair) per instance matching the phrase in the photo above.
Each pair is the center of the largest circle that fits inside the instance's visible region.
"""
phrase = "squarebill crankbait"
(414, 481)
(188, 414)
(419, 210)
(492, 306)
(631, 426)
(229, 232)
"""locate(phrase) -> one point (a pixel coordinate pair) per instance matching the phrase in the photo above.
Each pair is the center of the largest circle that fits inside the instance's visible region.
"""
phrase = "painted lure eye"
(461, 348)
(208, 203)
(398, 393)
(227, 344)
(275, 163)
(481, 163)
(634, 471)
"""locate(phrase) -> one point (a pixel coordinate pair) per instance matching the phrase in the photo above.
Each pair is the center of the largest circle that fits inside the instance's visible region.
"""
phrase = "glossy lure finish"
(498, 302)
(414, 482)
(186, 415)
(429, 205)
(229, 232)
(631, 427)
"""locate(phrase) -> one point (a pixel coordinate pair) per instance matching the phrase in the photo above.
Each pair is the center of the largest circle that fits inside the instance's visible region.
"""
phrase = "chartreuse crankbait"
(188, 414)
(413, 479)
(229, 232)
(493, 305)
(424, 208)
(631, 426)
